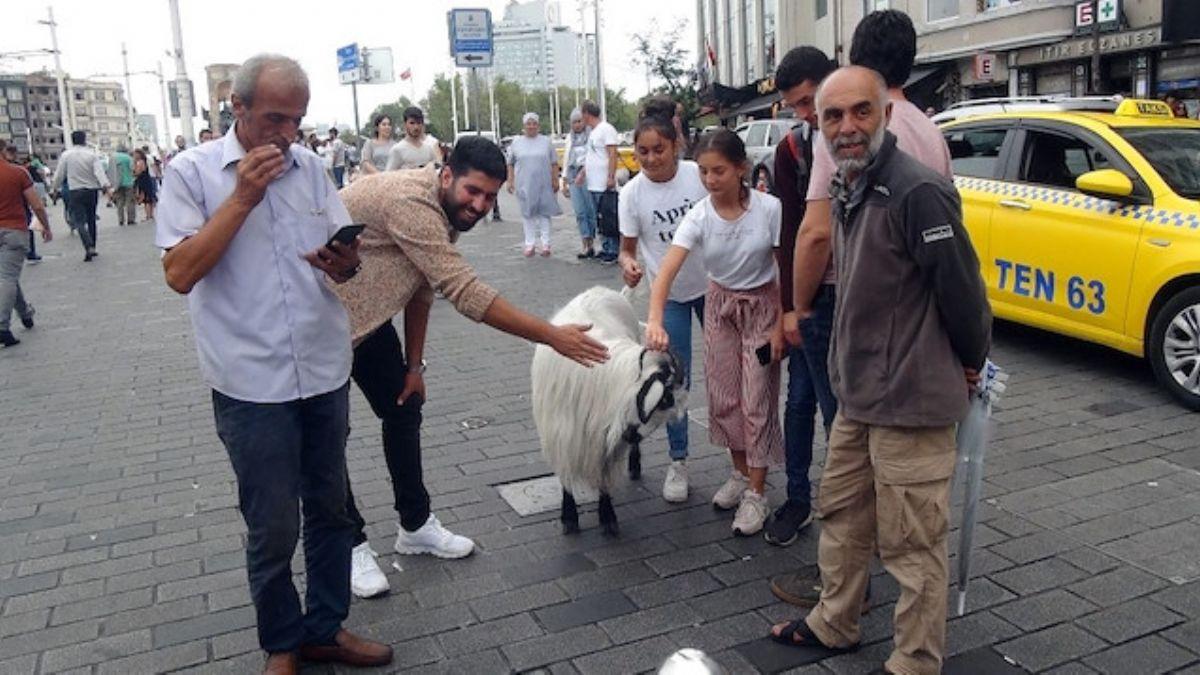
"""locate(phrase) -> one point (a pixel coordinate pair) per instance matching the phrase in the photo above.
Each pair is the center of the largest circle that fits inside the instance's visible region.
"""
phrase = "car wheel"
(1174, 348)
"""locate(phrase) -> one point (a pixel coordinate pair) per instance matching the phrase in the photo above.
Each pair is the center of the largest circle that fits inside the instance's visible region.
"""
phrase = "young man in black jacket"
(797, 78)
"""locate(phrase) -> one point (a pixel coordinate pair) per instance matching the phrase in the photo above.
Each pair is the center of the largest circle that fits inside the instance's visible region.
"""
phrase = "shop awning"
(919, 75)
(755, 105)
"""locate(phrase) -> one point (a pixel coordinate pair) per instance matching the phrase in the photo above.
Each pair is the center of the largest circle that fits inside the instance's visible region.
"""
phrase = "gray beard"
(852, 166)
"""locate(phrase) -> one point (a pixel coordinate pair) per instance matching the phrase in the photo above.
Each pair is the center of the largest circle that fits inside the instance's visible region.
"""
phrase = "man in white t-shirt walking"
(417, 148)
(337, 153)
(599, 175)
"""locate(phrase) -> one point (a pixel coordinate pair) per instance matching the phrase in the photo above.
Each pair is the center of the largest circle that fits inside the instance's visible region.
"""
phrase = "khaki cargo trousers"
(886, 488)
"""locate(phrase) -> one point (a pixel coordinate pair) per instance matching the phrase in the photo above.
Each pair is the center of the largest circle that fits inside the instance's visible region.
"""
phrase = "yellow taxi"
(1086, 219)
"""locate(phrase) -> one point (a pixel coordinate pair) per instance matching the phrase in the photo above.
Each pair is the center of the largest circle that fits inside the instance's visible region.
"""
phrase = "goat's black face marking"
(665, 377)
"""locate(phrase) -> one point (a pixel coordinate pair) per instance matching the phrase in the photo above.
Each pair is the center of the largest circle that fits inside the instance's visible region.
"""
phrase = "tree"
(666, 63)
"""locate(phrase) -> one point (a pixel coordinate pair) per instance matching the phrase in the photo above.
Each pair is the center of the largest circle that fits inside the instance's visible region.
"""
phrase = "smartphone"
(346, 234)
(764, 354)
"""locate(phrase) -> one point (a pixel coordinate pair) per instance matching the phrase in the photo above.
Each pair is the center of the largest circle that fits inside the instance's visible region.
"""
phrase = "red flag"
(406, 74)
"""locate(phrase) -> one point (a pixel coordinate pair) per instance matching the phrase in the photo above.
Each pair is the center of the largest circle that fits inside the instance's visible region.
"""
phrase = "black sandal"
(799, 627)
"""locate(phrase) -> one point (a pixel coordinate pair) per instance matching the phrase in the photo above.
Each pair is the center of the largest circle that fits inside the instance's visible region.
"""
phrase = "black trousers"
(83, 202)
(379, 371)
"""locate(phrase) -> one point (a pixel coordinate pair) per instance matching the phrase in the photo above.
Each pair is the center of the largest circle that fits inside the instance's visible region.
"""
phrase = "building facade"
(969, 49)
(98, 108)
(534, 49)
(14, 111)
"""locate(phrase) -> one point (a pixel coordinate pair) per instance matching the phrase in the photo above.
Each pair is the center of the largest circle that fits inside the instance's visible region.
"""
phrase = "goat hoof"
(570, 528)
(611, 529)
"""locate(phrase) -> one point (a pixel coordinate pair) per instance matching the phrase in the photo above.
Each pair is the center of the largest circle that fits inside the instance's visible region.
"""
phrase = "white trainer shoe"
(729, 495)
(675, 487)
(751, 514)
(366, 579)
(434, 539)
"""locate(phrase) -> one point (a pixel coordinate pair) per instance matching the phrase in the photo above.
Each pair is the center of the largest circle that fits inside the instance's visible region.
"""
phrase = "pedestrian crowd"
(852, 266)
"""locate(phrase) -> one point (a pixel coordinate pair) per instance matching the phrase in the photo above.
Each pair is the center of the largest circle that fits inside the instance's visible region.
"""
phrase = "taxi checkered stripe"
(1035, 193)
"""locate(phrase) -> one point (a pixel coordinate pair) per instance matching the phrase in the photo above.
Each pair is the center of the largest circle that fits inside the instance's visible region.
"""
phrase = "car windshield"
(1174, 153)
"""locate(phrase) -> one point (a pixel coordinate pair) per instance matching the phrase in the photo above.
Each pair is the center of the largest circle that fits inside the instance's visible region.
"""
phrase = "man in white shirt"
(83, 170)
(243, 225)
(599, 175)
(337, 151)
(417, 148)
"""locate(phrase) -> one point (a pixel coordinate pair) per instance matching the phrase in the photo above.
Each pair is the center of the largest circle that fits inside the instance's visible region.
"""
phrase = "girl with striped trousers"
(736, 231)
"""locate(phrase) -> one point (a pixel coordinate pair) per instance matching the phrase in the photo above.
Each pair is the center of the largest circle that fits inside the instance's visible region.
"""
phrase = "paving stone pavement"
(121, 545)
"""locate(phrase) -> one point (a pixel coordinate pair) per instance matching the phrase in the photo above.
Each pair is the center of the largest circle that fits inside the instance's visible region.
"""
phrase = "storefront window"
(989, 5)
(874, 5)
(936, 10)
(822, 8)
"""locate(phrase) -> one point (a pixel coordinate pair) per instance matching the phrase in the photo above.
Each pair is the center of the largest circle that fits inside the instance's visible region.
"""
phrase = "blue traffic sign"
(348, 57)
(471, 37)
(349, 64)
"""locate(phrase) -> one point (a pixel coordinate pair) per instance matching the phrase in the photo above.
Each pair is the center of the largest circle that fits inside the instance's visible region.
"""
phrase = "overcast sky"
(90, 33)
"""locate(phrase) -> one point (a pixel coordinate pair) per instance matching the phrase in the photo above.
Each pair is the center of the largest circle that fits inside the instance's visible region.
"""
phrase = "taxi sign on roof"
(1144, 108)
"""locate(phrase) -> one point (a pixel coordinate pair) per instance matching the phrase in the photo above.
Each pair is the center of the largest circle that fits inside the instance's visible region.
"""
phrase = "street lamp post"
(600, 66)
(166, 114)
(181, 80)
(128, 96)
(65, 109)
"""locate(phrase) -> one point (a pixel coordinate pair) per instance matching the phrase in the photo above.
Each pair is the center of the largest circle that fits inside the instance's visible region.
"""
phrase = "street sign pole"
(354, 93)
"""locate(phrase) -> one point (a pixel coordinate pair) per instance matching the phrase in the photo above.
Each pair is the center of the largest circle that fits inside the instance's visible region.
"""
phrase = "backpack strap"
(800, 145)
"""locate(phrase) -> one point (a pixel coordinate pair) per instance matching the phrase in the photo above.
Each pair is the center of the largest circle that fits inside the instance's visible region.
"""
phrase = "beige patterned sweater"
(407, 251)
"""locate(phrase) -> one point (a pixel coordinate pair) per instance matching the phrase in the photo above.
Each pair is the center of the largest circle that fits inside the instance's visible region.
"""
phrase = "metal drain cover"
(539, 495)
(475, 422)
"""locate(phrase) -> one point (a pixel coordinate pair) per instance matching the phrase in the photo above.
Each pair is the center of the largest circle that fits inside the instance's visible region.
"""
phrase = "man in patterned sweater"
(413, 220)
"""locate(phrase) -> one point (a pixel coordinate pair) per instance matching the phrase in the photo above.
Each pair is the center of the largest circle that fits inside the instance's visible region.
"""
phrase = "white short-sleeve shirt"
(652, 211)
(405, 155)
(738, 254)
(268, 328)
(595, 163)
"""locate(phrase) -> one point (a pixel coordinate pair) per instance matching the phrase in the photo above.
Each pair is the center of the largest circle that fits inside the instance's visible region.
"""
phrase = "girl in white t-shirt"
(736, 232)
(651, 206)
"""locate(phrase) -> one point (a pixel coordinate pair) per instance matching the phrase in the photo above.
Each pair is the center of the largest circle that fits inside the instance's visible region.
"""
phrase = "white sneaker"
(675, 487)
(366, 579)
(435, 539)
(751, 514)
(729, 495)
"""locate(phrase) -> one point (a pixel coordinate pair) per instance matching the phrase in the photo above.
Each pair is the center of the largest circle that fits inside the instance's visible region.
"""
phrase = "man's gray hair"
(576, 115)
(245, 80)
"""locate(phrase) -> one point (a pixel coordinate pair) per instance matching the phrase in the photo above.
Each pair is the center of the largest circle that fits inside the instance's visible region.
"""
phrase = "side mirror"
(1105, 184)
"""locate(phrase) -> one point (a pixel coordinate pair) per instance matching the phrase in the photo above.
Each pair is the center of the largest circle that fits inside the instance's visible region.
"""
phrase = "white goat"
(590, 419)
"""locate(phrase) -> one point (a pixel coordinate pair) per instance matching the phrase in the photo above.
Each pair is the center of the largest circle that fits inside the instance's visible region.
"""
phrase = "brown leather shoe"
(349, 649)
(282, 663)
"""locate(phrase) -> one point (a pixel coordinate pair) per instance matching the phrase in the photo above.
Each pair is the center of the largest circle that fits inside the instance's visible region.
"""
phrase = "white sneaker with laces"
(751, 514)
(729, 495)
(366, 579)
(675, 487)
(434, 539)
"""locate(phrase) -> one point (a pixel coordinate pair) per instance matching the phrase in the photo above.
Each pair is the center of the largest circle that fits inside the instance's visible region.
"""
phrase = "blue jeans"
(608, 245)
(339, 175)
(808, 387)
(585, 208)
(677, 321)
(290, 458)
